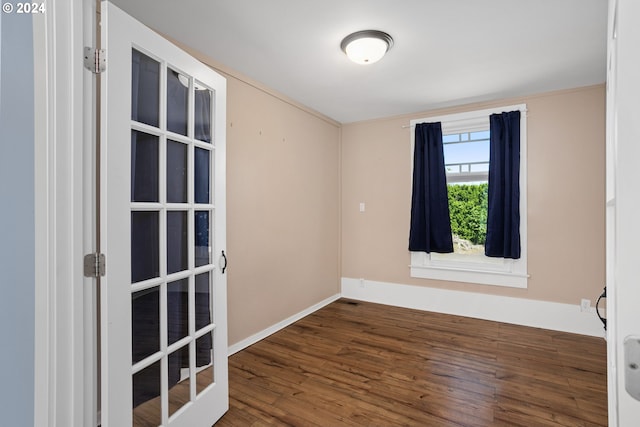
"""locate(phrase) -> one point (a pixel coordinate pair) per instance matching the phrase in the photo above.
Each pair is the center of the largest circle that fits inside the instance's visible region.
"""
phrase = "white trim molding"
(519, 311)
(503, 274)
(280, 325)
(44, 271)
(59, 372)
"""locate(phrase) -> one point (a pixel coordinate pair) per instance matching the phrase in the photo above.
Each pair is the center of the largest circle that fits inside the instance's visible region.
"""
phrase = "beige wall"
(282, 210)
(295, 180)
(566, 143)
(282, 206)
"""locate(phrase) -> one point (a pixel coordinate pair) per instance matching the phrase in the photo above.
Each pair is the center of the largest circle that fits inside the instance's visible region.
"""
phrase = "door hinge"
(94, 265)
(95, 60)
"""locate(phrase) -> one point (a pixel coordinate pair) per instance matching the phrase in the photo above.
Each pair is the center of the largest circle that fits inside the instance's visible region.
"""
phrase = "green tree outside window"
(468, 211)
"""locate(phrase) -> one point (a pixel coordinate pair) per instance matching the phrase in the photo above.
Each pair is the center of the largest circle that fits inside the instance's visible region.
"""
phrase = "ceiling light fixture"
(366, 47)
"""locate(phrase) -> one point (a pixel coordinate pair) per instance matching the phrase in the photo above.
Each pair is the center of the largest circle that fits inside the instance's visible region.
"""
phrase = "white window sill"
(511, 273)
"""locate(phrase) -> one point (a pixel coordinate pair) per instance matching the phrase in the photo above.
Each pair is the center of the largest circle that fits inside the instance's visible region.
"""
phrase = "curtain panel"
(503, 213)
(430, 224)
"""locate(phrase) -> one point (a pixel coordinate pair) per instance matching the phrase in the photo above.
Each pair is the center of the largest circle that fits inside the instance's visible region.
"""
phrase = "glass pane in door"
(145, 89)
(177, 246)
(202, 256)
(202, 175)
(144, 167)
(177, 310)
(204, 361)
(179, 379)
(203, 300)
(146, 403)
(177, 102)
(202, 119)
(145, 326)
(145, 245)
(176, 172)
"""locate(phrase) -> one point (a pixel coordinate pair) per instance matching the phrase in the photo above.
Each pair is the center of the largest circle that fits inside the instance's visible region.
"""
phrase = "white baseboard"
(519, 311)
(280, 325)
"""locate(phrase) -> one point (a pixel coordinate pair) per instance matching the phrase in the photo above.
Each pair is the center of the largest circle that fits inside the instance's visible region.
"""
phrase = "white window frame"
(509, 273)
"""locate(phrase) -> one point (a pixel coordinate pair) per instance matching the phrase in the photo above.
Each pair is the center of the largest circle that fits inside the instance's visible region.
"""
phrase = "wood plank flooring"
(148, 414)
(363, 364)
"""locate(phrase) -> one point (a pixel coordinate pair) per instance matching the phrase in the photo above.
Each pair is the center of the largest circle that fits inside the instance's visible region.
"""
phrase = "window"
(466, 153)
(466, 156)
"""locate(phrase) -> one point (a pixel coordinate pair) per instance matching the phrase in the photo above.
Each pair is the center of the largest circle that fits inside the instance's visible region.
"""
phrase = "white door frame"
(612, 380)
(64, 370)
(622, 204)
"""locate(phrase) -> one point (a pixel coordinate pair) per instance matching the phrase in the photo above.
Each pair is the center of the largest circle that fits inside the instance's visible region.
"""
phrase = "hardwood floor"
(147, 414)
(362, 364)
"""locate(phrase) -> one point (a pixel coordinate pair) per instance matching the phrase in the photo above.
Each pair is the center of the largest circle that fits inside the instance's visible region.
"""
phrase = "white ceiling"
(446, 52)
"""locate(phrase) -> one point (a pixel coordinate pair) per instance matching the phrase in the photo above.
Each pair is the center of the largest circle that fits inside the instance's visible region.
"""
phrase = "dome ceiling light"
(366, 47)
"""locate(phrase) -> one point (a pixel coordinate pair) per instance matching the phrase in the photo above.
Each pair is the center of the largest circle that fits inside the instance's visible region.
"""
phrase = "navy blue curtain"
(177, 103)
(202, 120)
(430, 224)
(503, 213)
(145, 89)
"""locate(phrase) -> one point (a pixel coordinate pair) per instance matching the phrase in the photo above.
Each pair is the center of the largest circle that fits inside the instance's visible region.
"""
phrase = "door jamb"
(63, 368)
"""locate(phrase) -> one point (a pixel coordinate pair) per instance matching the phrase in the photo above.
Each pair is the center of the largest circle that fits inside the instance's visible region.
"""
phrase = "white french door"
(163, 298)
(623, 205)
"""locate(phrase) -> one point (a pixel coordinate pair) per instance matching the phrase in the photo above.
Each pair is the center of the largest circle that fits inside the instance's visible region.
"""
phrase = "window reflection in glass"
(177, 102)
(145, 89)
(177, 310)
(144, 167)
(177, 246)
(204, 358)
(202, 256)
(201, 175)
(145, 245)
(202, 119)
(176, 172)
(145, 323)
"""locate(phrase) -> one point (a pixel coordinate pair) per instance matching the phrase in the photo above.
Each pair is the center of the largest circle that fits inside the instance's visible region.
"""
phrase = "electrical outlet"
(585, 304)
